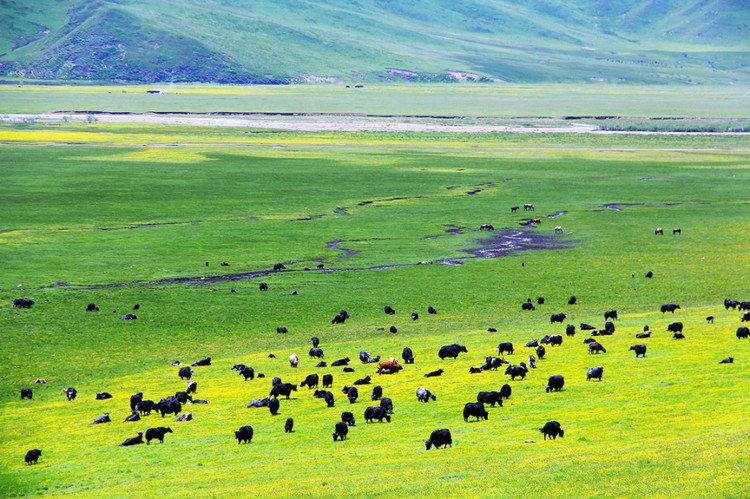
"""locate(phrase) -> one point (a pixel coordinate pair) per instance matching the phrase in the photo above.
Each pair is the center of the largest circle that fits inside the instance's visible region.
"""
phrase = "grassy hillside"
(96, 206)
(422, 40)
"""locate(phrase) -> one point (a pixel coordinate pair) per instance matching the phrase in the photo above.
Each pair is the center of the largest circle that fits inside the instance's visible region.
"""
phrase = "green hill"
(280, 41)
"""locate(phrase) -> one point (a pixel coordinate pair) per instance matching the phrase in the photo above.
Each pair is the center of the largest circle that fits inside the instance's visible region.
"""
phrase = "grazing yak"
(729, 303)
(528, 207)
(387, 405)
(596, 347)
(728, 360)
(137, 440)
(744, 305)
(491, 398)
(678, 336)
(647, 334)
(487, 227)
(284, 389)
(70, 393)
(586, 327)
(247, 372)
(532, 361)
(554, 340)
(594, 373)
(348, 418)
(541, 351)
(169, 405)
(675, 327)
(279, 266)
(557, 318)
(23, 303)
(32, 456)
(185, 373)
(316, 353)
(572, 300)
(26, 393)
(183, 397)
(103, 396)
(519, 371)
(315, 341)
(407, 355)
(329, 400)
(393, 329)
(338, 319)
(505, 391)
(451, 351)
(144, 407)
(372, 413)
(91, 307)
(377, 392)
(527, 306)
(676, 230)
(433, 374)
(327, 380)
(610, 314)
(431, 310)
(476, 410)
(532, 344)
(157, 434)
(263, 286)
(348, 369)
(192, 387)
(555, 383)
(244, 434)
(389, 310)
(273, 406)
(669, 307)
(340, 431)
(202, 362)
(321, 364)
(351, 393)
(390, 366)
(743, 333)
(540, 300)
(570, 330)
(282, 330)
(493, 363)
(311, 381)
(659, 231)
(294, 360)
(552, 429)
(640, 350)
(502, 348)
(745, 317)
(439, 438)
(424, 395)
(363, 381)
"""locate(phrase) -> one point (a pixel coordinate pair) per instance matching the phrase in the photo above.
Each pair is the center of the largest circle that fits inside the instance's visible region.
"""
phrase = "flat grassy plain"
(97, 213)
(499, 100)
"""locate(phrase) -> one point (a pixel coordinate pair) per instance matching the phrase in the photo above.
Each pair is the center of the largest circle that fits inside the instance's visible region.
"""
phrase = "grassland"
(87, 206)
(496, 100)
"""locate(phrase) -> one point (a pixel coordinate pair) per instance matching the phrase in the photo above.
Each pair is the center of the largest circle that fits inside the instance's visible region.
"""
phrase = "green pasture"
(500, 100)
(97, 213)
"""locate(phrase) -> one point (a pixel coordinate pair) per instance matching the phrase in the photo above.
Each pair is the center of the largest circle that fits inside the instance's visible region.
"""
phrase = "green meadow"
(105, 213)
(467, 100)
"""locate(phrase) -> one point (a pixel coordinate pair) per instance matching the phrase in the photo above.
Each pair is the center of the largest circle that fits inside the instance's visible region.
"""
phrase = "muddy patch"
(557, 214)
(341, 211)
(473, 192)
(453, 230)
(308, 218)
(619, 206)
(336, 245)
(506, 242)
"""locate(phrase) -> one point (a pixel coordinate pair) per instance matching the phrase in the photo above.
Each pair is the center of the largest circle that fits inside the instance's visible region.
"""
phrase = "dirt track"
(330, 123)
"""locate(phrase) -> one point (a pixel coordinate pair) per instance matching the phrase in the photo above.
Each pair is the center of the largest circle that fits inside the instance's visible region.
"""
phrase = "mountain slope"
(277, 41)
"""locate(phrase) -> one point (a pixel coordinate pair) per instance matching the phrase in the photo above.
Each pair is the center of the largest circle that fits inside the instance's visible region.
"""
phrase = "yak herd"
(173, 405)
